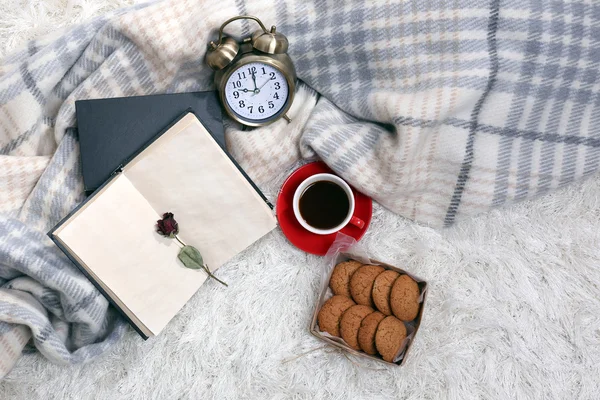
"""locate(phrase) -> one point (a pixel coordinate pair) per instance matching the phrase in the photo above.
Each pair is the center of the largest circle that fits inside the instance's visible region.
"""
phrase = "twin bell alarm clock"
(256, 78)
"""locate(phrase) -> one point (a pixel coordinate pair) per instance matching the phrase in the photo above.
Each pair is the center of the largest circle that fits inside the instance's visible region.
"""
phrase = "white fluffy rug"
(513, 309)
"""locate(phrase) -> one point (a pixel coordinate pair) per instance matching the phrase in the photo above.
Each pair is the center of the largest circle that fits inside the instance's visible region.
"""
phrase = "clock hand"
(261, 86)
(254, 80)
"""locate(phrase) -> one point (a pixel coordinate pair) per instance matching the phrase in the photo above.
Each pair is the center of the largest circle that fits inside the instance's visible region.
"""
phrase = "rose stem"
(179, 240)
(214, 277)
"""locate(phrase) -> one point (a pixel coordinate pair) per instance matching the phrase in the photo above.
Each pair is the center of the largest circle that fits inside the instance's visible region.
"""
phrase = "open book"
(112, 236)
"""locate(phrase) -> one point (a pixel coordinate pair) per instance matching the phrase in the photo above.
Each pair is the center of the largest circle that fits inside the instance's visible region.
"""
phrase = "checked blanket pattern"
(437, 109)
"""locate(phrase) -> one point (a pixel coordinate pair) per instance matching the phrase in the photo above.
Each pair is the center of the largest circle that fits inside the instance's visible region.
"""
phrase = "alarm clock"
(256, 78)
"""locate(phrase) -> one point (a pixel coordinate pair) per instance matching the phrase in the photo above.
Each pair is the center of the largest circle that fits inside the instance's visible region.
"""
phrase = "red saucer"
(300, 237)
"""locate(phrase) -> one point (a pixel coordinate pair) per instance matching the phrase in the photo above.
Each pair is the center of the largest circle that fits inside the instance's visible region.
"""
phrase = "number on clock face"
(256, 91)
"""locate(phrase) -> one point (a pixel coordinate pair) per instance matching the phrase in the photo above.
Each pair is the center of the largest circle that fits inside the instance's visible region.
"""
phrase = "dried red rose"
(167, 226)
(189, 256)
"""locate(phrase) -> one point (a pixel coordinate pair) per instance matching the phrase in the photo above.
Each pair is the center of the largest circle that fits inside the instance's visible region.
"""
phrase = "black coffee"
(324, 205)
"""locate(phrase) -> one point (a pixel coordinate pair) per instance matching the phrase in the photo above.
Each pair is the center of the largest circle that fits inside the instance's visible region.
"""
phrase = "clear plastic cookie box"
(346, 248)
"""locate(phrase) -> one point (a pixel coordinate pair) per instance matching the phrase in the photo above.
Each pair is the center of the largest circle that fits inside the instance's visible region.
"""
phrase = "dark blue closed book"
(112, 131)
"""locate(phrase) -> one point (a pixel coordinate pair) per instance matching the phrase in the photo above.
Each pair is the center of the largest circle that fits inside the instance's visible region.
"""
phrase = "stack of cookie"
(369, 307)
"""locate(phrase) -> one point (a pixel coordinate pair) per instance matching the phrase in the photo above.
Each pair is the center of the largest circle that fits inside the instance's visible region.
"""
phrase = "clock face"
(256, 91)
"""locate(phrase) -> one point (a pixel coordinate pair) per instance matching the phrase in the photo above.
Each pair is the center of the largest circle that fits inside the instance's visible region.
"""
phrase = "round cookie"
(350, 323)
(331, 312)
(390, 334)
(340, 277)
(381, 290)
(361, 284)
(366, 332)
(404, 298)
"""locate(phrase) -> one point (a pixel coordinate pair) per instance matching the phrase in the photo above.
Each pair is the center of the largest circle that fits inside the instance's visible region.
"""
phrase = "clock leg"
(288, 119)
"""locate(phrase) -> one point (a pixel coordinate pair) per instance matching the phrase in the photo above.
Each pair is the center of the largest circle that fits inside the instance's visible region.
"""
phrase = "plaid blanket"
(438, 110)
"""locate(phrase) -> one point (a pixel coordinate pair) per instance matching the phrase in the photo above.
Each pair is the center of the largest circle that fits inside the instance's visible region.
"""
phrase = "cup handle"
(357, 222)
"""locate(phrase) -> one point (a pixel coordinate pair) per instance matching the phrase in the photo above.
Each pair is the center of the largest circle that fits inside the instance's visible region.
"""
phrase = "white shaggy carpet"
(513, 309)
